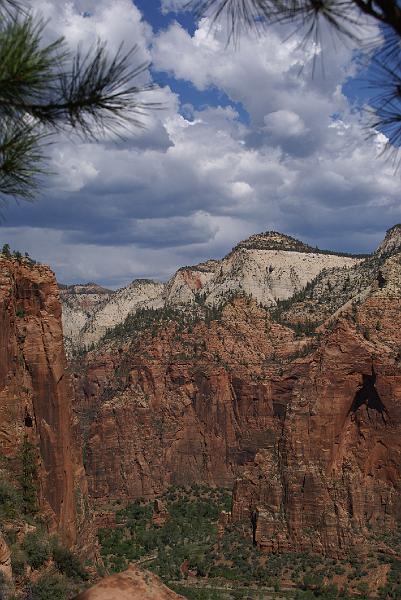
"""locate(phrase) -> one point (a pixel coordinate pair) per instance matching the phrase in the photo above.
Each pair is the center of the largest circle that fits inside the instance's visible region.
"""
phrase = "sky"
(248, 140)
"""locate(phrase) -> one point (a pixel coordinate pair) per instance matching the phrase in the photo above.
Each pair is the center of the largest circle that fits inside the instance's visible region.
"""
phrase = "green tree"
(6, 251)
(50, 586)
(347, 19)
(68, 563)
(29, 478)
(36, 548)
(45, 89)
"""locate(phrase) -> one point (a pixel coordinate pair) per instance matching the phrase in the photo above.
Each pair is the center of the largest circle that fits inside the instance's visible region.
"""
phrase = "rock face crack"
(368, 395)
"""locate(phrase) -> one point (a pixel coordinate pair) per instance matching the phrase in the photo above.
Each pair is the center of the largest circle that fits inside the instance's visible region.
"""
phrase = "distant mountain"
(391, 243)
(268, 267)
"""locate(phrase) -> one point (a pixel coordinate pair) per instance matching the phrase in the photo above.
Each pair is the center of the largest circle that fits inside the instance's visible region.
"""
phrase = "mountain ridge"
(274, 240)
(269, 267)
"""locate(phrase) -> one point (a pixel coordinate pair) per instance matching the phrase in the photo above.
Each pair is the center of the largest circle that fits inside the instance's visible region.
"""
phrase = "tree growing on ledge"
(343, 18)
(29, 478)
(44, 89)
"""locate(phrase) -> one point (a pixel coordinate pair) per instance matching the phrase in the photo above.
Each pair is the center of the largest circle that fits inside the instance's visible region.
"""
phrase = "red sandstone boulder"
(132, 584)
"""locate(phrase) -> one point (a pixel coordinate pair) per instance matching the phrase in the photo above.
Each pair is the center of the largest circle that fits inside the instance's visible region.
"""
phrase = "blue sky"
(247, 141)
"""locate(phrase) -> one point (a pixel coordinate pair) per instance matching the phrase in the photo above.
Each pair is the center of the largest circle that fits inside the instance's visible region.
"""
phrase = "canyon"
(274, 372)
(295, 404)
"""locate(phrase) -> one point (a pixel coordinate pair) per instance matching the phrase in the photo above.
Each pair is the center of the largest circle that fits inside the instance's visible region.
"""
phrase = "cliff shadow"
(368, 396)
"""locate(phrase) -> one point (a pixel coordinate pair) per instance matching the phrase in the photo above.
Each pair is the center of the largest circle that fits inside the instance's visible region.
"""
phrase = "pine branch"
(98, 94)
(28, 70)
(21, 158)
(8, 8)
(259, 14)
(45, 89)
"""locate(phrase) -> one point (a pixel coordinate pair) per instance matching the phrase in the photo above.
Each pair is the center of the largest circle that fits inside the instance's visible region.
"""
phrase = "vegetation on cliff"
(201, 560)
(6, 252)
(42, 567)
(273, 240)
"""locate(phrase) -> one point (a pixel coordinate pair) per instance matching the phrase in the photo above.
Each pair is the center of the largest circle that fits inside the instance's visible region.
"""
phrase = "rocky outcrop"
(391, 243)
(267, 267)
(35, 391)
(261, 272)
(333, 472)
(160, 514)
(141, 293)
(180, 406)
(79, 303)
(5, 558)
(132, 584)
(305, 423)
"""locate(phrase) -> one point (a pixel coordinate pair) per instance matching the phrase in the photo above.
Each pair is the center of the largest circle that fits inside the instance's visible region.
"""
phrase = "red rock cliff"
(180, 407)
(333, 473)
(309, 429)
(35, 392)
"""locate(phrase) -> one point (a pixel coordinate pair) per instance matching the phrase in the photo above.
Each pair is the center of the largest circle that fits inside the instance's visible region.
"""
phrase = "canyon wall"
(333, 473)
(176, 407)
(304, 421)
(35, 390)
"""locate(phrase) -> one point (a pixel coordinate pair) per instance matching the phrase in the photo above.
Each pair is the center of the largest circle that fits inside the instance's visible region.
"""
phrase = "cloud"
(284, 124)
(173, 5)
(187, 188)
(83, 22)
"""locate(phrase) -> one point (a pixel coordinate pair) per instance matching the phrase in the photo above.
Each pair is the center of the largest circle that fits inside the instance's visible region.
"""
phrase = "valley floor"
(183, 542)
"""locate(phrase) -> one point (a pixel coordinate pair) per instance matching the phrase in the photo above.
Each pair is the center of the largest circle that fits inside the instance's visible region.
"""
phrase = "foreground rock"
(132, 584)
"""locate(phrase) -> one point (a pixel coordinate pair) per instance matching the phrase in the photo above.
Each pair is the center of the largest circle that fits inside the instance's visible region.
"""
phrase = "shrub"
(29, 478)
(37, 549)
(18, 561)
(68, 563)
(51, 586)
(4, 586)
(9, 500)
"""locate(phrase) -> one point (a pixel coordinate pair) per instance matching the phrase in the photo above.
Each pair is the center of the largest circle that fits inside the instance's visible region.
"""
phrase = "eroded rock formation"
(305, 421)
(35, 392)
(180, 407)
(268, 267)
(334, 471)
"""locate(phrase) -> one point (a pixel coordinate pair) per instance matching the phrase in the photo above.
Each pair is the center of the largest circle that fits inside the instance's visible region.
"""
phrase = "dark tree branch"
(45, 89)
(21, 158)
(97, 94)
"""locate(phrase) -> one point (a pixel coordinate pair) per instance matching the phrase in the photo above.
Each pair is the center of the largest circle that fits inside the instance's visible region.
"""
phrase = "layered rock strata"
(179, 407)
(267, 267)
(35, 391)
(332, 474)
(306, 423)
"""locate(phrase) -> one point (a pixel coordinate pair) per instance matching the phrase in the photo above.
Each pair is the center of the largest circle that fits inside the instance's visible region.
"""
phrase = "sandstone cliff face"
(35, 393)
(334, 470)
(267, 267)
(179, 407)
(140, 293)
(79, 303)
(308, 427)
